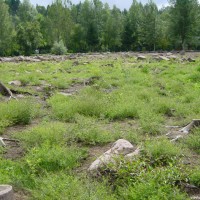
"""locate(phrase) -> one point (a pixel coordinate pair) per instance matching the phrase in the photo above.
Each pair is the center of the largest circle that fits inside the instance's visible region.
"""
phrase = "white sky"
(119, 3)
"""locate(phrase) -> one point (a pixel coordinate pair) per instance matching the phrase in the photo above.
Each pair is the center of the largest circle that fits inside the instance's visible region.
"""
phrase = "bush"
(59, 48)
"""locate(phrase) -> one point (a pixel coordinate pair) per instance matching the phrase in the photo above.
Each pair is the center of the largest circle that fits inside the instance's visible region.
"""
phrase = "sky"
(119, 3)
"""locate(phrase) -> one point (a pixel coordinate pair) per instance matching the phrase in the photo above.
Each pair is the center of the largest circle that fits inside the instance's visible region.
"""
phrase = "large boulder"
(120, 148)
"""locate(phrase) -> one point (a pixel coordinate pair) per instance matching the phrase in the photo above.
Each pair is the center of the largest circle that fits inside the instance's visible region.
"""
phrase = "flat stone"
(16, 83)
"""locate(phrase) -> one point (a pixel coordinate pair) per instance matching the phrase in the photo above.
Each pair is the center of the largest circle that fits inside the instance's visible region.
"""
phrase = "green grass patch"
(17, 112)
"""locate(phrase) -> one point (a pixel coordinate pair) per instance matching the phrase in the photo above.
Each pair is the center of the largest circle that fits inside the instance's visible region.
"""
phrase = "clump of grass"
(59, 186)
(91, 132)
(52, 132)
(152, 190)
(89, 103)
(17, 112)
(150, 122)
(162, 151)
(53, 158)
(193, 141)
(123, 105)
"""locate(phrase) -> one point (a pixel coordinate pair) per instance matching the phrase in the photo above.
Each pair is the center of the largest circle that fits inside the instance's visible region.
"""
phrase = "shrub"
(59, 48)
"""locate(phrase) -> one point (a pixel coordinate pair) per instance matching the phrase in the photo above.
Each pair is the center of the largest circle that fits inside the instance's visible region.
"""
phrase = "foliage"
(6, 33)
(94, 26)
(59, 48)
(29, 37)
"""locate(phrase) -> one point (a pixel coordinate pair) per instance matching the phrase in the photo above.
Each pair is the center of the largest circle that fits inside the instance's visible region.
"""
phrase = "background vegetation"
(94, 26)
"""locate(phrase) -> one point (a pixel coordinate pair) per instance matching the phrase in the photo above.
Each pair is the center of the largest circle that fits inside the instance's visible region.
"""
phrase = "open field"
(69, 111)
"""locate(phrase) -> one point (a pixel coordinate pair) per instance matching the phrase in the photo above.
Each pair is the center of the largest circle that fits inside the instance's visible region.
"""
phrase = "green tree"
(183, 20)
(134, 19)
(26, 12)
(58, 23)
(6, 30)
(112, 34)
(29, 37)
(148, 25)
(13, 6)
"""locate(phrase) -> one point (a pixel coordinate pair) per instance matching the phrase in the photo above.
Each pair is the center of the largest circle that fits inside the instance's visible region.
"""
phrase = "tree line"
(93, 26)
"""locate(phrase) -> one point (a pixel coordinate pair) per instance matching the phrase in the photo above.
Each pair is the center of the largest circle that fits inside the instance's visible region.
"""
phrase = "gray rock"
(140, 57)
(163, 58)
(6, 192)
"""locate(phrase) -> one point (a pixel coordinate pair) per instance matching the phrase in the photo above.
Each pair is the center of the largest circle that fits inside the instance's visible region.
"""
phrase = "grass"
(193, 141)
(129, 99)
(17, 112)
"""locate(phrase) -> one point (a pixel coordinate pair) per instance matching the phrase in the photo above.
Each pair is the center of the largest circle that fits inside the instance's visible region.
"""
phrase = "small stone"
(16, 83)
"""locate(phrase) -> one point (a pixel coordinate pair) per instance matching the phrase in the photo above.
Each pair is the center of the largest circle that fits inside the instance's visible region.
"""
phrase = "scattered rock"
(16, 83)
(172, 57)
(163, 58)
(191, 60)
(182, 52)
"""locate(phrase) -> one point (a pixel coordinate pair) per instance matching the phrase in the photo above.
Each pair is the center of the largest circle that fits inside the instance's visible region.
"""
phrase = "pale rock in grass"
(172, 57)
(163, 58)
(169, 54)
(16, 83)
(140, 57)
(120, 148)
